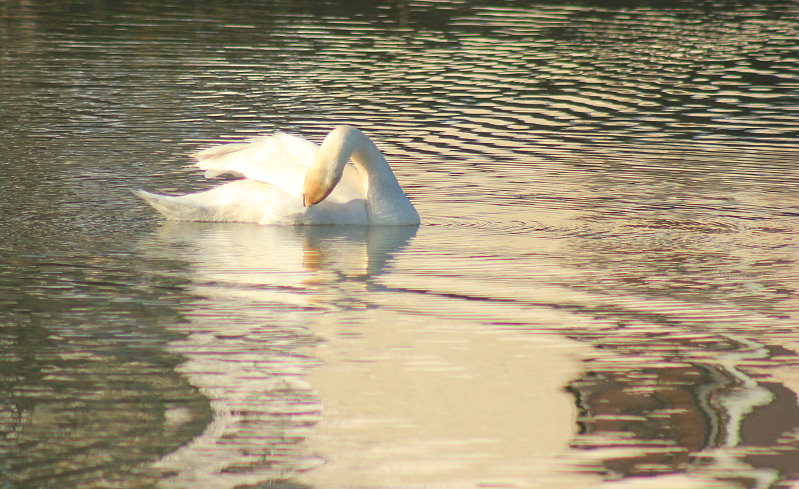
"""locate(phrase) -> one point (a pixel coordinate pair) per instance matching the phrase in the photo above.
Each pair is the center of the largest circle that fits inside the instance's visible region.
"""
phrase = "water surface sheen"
(603, 292)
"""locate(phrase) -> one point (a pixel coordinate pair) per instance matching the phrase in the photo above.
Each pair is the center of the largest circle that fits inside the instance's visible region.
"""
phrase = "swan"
(288, 180)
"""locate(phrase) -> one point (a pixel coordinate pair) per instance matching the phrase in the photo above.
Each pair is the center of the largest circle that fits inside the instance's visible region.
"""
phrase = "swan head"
(319, 182)
(326, 172)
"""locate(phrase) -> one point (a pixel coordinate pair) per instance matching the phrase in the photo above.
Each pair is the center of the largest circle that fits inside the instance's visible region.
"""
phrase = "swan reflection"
(246, 337)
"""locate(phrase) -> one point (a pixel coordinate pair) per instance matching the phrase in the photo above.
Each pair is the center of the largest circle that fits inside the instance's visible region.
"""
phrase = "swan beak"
(317, 188)
(315, 196)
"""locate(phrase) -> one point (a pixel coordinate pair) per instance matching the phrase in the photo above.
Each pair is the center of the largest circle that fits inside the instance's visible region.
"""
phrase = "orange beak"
(317, 188)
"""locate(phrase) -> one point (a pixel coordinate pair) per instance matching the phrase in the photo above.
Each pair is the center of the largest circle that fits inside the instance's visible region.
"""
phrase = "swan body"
(290, 181)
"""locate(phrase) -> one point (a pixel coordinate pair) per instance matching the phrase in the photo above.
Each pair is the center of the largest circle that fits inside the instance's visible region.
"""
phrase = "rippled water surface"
(603, 292)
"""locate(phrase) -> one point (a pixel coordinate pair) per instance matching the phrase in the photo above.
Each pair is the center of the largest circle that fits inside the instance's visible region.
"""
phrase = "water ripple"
(624, 175)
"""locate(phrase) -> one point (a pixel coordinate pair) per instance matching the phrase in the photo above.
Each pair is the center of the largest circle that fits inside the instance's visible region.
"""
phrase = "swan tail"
(177, 208)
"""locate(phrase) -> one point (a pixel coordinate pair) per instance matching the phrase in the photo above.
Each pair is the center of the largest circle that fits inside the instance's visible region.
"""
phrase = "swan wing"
(281, 160)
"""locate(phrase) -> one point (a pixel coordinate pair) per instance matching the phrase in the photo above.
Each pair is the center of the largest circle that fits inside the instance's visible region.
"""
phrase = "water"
(603, 292)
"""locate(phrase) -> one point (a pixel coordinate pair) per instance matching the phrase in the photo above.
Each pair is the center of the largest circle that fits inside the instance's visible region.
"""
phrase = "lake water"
(604, 291)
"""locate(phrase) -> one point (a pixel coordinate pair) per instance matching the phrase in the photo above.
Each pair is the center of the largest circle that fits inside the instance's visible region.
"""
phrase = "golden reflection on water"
(391, 370)
(410, 402)
(392, 399)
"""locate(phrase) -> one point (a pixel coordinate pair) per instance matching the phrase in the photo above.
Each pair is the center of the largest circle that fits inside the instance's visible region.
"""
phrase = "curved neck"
(385, 200)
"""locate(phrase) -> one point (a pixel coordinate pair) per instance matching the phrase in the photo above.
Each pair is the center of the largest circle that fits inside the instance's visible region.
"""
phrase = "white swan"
(291, 181)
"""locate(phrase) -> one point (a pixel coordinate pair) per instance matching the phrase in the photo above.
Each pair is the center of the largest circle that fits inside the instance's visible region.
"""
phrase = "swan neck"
(386, 202)
(368, 158)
